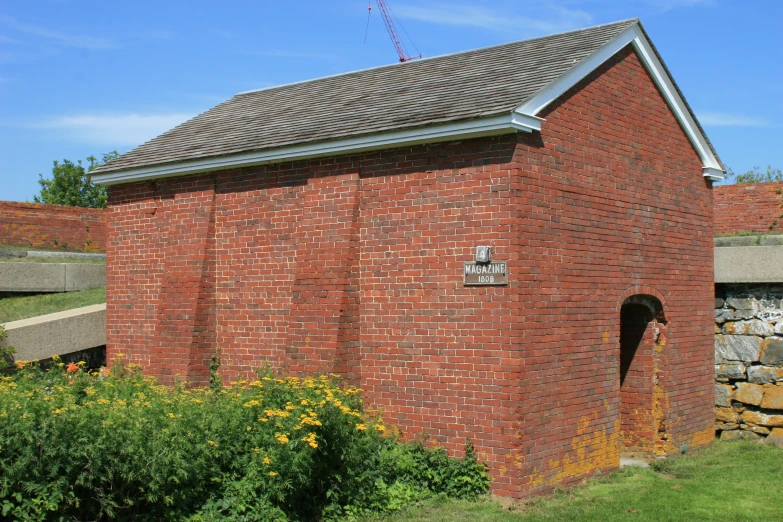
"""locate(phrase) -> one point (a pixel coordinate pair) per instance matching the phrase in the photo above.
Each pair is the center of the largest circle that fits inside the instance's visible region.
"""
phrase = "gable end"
(635, 35)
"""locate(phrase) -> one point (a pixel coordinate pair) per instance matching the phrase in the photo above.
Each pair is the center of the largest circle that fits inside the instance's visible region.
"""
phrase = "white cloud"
(556, 18)
(112, 129)
(57, 38)
(723, 119)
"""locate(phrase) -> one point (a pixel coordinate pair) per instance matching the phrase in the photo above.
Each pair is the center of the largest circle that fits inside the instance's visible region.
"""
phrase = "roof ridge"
(440, 56)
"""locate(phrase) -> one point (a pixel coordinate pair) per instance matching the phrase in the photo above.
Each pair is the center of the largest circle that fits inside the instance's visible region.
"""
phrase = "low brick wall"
(752, 207)
(749, 361)
(52, 226)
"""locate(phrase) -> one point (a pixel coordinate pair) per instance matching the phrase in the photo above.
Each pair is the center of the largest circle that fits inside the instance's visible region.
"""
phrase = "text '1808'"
(481, 274)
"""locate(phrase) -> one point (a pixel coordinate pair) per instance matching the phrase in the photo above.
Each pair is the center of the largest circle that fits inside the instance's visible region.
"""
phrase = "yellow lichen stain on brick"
(661, 405)
(606, 337)
(536, 479)
(503, 470)
(703, 437)
(591, 450)
(518, 461)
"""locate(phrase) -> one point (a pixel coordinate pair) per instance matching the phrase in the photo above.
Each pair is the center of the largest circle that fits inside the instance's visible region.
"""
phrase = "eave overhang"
(522, 119)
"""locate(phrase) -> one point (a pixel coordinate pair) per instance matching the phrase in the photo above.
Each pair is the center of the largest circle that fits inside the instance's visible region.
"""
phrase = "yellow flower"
(250, 404)
(380, 427)
(310, 440)
(102, 401)
(212, 443)
(248, 428)
(120, 355)
(282, 438)
(272, 474)
(304, 402)
(267, 460)
(361, 427)
(309, 421)
(59, 411)
(171, 416)
(257, 450)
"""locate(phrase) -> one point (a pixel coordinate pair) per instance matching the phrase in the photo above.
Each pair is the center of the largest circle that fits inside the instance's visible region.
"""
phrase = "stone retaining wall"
(749, 361)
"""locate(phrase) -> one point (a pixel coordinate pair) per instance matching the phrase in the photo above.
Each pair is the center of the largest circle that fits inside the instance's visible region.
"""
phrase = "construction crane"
(387, 20)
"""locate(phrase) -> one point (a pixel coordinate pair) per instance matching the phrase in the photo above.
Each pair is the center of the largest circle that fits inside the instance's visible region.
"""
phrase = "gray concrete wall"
(50, 277)
(57, 334)
(79, 276)
(749, 264)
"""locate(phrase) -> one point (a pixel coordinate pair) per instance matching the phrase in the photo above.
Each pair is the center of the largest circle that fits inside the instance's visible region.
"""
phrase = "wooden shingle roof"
(447, 88)
(458, 87)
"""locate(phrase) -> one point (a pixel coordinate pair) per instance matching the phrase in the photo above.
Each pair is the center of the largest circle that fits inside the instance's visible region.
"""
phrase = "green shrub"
(118, 446)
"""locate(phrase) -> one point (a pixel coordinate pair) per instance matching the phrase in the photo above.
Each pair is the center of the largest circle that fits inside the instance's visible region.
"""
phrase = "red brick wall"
(752, 207)
(52, 226)
(354, 265)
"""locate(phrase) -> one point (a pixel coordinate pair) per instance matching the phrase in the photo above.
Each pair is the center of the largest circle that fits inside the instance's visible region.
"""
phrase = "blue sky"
(80, 78)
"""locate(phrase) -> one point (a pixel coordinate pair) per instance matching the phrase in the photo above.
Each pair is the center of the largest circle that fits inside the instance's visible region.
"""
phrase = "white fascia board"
(489, 126)
(633, 35)
(713, 174)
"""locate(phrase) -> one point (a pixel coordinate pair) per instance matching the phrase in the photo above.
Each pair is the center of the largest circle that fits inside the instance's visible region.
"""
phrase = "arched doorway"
(641, 414)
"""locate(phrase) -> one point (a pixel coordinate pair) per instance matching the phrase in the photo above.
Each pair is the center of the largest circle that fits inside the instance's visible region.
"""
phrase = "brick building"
(332, 225)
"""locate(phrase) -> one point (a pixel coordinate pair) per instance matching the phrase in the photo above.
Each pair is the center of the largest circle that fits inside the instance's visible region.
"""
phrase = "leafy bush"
(75, 446)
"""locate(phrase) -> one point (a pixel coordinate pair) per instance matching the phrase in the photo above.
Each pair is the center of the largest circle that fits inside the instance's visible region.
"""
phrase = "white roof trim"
(524, 118)
(493, 125)
(713, 174)
(633, 35)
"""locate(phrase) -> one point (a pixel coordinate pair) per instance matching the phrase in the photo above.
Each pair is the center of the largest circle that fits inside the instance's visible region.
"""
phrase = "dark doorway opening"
(640, 316)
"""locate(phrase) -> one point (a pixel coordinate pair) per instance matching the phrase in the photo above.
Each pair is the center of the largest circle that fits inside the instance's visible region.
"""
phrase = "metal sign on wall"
(486, 274)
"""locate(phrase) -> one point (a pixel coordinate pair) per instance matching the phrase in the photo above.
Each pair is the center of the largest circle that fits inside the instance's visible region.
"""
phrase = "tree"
(71, 185)
(756, 176)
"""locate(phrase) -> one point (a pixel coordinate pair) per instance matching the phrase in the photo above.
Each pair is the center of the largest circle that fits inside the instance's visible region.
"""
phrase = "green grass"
(25, 248)
(15, 308)
(729, 481)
